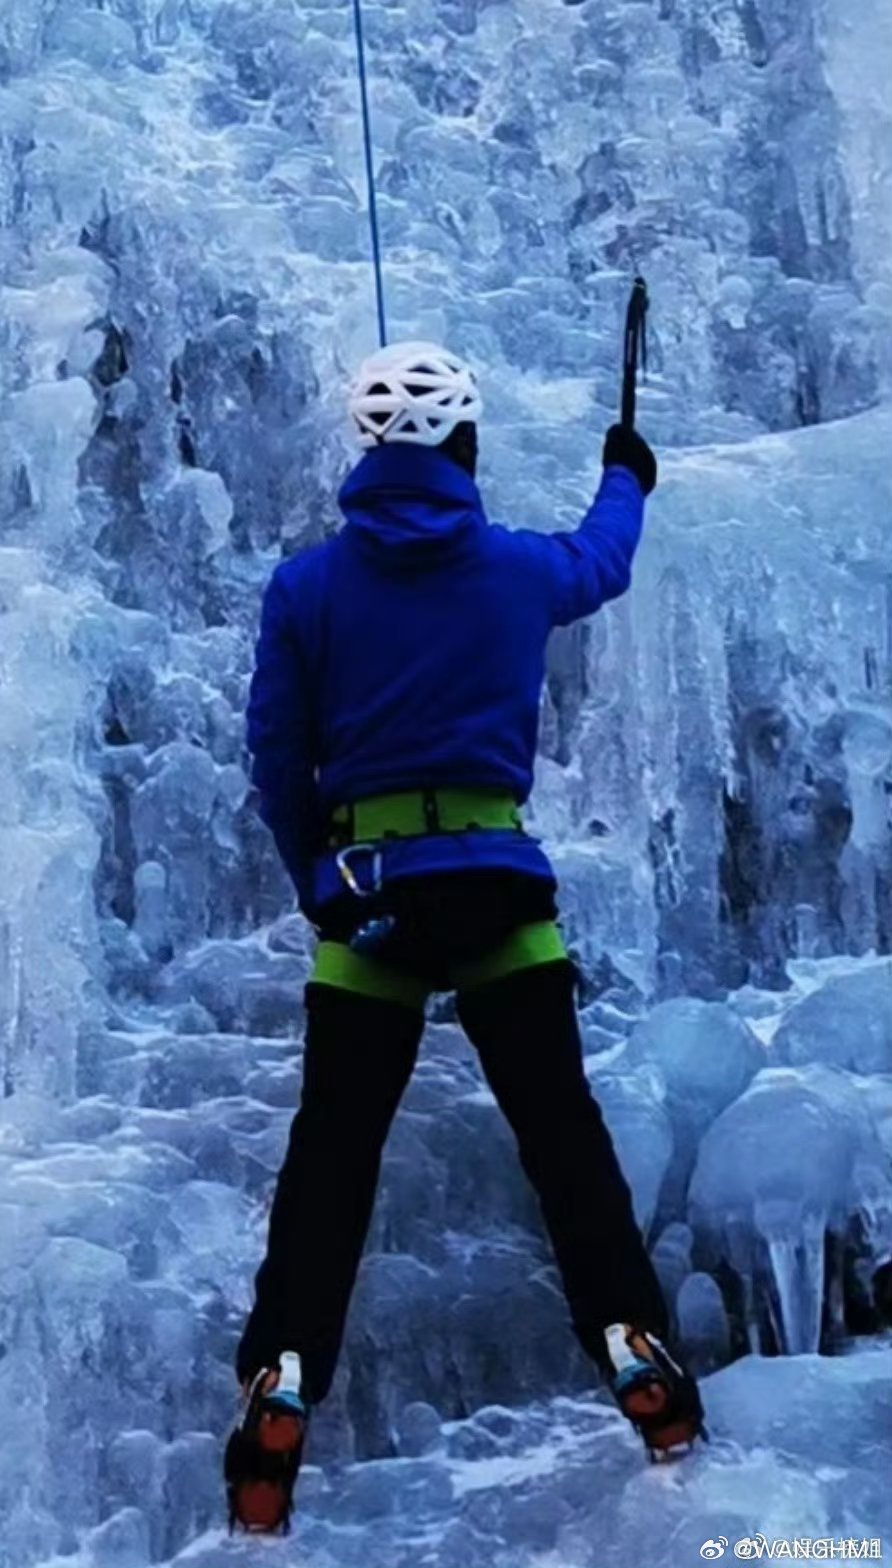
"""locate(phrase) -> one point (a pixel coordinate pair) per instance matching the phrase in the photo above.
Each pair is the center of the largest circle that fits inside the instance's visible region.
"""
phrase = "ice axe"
(634, 349)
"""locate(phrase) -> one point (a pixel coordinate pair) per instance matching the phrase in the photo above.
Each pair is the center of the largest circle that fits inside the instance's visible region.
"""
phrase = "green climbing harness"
(359, 830)
(338, 964)
(415, 812)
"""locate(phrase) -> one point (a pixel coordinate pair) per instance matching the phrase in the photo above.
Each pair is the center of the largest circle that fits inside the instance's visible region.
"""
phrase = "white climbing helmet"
(413, 392)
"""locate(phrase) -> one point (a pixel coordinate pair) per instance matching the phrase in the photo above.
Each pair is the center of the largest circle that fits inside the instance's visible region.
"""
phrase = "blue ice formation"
(184, 287)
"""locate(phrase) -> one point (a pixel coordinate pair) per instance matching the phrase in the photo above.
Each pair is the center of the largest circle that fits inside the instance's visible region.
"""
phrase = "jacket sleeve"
(585, 569)
(282, 740)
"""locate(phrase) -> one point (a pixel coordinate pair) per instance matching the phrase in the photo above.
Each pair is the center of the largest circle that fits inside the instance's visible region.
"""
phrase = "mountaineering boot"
(657, 1395)
(264, 1452)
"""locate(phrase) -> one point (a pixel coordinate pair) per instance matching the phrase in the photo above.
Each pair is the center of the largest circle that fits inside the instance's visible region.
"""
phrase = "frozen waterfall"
(184, 286)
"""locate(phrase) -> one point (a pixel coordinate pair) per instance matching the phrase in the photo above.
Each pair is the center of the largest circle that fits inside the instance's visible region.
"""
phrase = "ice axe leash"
(634, 348)
(370, 173)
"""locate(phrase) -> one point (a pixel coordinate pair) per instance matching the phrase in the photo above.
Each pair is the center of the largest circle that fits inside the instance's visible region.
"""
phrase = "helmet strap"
(462, 447)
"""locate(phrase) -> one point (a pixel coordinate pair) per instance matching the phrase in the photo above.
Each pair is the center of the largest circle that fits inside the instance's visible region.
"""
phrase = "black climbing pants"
(358, 1057)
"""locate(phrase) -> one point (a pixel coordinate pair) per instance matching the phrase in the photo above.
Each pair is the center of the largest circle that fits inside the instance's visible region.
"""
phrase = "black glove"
(628, 449)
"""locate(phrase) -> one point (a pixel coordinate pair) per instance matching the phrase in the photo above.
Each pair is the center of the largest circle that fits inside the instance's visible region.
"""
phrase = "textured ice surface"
(793, 1162)
(641, 1130)
(847, 1023)
(794, 1453)
(698, 1057)
(183, 289)
(705, 1055)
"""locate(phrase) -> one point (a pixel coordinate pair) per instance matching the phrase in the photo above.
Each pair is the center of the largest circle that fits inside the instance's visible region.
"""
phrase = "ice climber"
(393, 723)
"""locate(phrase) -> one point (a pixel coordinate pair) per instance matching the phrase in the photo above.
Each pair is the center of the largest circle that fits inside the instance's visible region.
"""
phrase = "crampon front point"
(264, 1453)
(655, 1393)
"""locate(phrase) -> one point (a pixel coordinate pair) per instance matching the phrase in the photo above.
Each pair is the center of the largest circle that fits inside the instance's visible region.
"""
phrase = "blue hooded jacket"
(408, 652)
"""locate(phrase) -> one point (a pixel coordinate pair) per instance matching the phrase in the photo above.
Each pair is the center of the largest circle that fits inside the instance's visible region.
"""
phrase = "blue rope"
(370, 174)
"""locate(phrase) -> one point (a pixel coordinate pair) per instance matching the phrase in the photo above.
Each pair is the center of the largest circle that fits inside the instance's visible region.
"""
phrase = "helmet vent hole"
(378, 417)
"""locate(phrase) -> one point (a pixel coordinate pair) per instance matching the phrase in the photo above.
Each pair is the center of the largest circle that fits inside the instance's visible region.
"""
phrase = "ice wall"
(183, 288)
(858, 82)
(191, 240)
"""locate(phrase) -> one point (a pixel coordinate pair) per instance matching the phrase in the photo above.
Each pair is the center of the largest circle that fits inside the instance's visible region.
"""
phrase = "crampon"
(654, 1392)
(264, 1453)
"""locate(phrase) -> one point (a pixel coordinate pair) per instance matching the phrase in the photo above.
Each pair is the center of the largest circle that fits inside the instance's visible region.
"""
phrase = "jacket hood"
(410, 507)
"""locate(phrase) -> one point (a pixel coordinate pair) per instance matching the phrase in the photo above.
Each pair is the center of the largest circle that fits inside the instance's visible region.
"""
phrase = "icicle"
(797, 1266)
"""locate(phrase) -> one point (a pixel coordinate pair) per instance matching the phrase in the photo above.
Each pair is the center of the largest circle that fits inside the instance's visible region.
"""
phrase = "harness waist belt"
(415, 813)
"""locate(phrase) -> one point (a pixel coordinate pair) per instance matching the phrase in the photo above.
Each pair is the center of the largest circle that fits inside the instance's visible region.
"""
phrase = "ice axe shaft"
(634, 349)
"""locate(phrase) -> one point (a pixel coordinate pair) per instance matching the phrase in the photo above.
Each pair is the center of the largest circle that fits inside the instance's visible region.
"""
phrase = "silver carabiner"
(342, 861)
